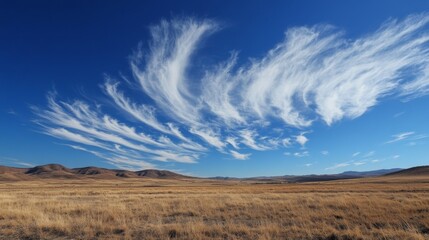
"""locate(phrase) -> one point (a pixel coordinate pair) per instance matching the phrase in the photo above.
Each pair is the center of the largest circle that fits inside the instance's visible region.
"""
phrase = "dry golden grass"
(202, 209)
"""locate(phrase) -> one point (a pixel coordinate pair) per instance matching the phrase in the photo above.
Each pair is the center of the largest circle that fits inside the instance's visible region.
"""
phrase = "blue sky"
(215, 88)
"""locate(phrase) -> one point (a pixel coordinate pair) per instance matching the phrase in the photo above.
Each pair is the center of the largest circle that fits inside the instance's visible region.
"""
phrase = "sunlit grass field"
(378, 208)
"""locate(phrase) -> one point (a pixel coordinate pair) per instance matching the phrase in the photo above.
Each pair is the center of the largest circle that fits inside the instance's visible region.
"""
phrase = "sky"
(215, 88)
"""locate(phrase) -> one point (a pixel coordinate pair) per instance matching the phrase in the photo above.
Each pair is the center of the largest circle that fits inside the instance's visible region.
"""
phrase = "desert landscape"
(48, 202)
(214, 120)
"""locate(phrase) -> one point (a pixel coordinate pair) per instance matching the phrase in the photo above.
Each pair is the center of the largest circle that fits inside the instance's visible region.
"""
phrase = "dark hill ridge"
(5, 169)
(54, 171)
(414, 171)
(59, 171)
(372, 173)
(325, 177)
(153, 173)
(49, 168)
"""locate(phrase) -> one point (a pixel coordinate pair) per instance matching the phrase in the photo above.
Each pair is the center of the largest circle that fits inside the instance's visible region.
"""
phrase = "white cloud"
(369, 154)
(400, 136)
(143, 113)
(209, 136)
(301, 154)
(325, 152)
(398, 114)
(287, 142)
(233, 142)
(9, 160)
(308, 164)
(355, 154)
(314, 74)
(301, 139)
(339, 165)
(78, 123)
(240, 156)
(162, 73)
(248, 138)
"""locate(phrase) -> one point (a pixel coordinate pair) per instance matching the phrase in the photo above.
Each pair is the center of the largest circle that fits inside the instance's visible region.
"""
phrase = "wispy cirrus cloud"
(400, 136)
(338, 165)
(9, 160)
(314, 74)
(409, 136)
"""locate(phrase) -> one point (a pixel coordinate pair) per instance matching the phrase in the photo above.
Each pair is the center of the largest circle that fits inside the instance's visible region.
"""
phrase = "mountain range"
(58, 171)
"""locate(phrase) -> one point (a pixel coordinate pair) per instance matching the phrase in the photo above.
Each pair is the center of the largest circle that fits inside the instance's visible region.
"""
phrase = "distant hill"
(61, 172)
(56, 171)
(343, 175)
(11, 173)
(153, 173)
(414, 171)
(371, 173)
(325, 177)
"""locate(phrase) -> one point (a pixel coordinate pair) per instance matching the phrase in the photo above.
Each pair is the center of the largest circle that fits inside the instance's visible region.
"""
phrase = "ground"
(373, 208)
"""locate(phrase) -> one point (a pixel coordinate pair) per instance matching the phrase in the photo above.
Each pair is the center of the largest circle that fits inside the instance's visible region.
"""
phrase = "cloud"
(248, 138)
(297, 154)
(12, 112)
(355, 154)
(406, 136)
(315, 74)
(398, 114)
(369, 154)
(143, 113)
(287, 142)
(9, 160)
(324, 152)
(301, 154)
(400, 136)
(339, 165)
(209, 136)
(162, 73)
(233, 142)
(239, 156)
(301, 139)
(77, 122)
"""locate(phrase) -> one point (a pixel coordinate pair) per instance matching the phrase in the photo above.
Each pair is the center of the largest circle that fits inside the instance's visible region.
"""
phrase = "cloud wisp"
(409, 136)
(314, 74)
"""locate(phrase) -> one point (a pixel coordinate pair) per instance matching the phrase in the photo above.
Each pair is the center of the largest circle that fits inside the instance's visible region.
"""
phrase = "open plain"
(389, 207)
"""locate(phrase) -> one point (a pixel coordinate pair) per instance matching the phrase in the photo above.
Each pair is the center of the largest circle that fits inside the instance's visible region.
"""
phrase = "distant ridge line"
(54, 171)
(414, 171)
(60, 171)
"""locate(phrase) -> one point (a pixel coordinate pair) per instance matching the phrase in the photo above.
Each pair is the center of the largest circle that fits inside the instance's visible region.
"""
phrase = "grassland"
(379, 208)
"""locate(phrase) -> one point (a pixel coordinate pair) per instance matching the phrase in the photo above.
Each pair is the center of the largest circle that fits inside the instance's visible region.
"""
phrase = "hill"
(58, 171)
(322, 177)
(153, 173)
(414, 171)
(12, 174)
(371, 173)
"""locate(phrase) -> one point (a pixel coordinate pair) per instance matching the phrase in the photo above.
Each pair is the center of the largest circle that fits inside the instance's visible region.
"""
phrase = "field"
(373, 208)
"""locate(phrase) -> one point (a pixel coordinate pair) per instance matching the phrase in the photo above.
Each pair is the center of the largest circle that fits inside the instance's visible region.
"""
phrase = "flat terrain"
(370, 208)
